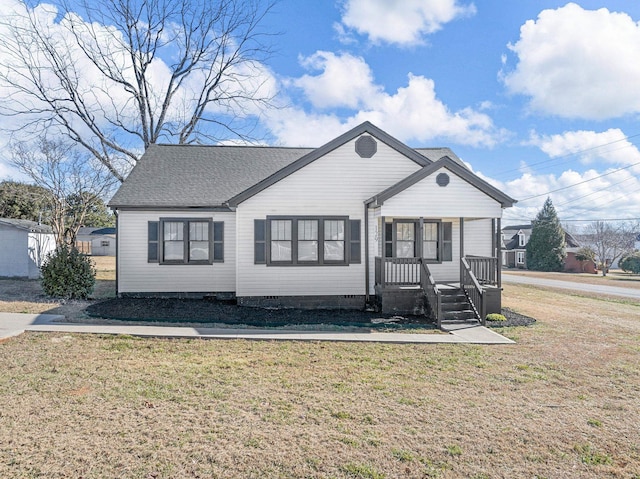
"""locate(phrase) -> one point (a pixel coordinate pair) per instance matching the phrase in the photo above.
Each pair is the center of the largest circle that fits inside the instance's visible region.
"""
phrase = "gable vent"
(366, 146)
(442, 179)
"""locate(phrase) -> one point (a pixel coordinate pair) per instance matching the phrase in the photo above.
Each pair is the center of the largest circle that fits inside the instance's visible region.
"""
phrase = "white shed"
(97, 241)
(24, 246)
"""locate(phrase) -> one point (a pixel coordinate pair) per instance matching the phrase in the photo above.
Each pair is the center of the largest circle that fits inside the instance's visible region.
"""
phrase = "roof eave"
(445, 162)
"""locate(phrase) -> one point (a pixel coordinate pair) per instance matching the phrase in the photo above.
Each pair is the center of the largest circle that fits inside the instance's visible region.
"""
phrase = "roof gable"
(454, 167)
(365, 127)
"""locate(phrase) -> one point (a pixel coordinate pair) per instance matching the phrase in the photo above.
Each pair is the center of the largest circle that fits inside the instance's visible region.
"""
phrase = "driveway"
(583, 287)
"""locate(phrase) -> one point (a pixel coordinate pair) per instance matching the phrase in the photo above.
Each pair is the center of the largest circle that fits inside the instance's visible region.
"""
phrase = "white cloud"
(403, 22)
(345, 81)
(609, 146)
(582, 196)
(578, 63)
(412, 113)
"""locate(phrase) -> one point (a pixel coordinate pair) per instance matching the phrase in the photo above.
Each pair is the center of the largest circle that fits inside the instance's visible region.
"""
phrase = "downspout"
(366, 254)
(499, 250)
(115, 212)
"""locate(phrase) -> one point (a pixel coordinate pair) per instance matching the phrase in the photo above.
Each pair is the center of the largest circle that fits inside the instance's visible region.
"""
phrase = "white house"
(25, 245)
(362, 219)
(100, 241)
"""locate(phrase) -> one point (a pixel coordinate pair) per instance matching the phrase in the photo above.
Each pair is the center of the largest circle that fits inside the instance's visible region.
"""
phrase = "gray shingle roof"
(92, 230)
(199, 176)
(27, 225)
(212, 176)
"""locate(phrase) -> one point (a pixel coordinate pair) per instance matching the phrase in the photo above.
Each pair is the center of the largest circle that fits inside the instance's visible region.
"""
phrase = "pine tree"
(546, 246)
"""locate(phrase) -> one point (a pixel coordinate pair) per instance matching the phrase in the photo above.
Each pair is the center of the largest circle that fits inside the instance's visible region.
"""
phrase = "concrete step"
(462, 315)
(470, 322)
(457, 306)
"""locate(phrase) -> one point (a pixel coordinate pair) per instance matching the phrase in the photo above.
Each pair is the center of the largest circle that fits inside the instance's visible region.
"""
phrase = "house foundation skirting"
(400, 300)
(304, 302)
(220, 296)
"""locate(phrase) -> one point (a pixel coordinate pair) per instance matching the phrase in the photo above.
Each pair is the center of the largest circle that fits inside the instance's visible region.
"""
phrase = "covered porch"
(447, 268)
(403, 284)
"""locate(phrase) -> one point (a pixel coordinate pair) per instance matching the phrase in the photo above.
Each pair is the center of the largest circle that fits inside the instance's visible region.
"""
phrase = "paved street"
(630, 293)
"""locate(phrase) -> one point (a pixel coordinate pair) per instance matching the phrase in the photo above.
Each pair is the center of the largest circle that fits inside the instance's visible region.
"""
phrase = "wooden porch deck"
(473, 297)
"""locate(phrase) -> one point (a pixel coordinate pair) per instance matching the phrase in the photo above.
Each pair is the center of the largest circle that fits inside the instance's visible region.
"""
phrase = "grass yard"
(615, 277)
(562, 403)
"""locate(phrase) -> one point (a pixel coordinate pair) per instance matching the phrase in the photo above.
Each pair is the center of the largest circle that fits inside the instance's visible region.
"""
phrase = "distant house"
(24, 247)
(514, 246)
(96, 241)
(514, 250)
(361, 219)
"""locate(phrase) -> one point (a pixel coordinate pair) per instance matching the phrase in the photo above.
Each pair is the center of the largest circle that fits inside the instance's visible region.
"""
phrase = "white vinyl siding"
(457, 199)
(23, 252)
(136, 274)
(478, 239)
(334, 185)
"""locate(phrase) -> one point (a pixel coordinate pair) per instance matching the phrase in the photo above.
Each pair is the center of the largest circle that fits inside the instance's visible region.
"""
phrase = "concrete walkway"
(12, 324)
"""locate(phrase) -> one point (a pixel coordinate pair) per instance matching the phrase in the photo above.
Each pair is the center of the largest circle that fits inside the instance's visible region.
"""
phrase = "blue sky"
(536, 96)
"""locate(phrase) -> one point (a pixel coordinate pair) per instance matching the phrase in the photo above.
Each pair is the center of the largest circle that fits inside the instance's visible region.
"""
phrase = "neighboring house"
(363, 218)
(514, 250)
(25, 245)
(571, 263)
(97, 241)
(514, 246)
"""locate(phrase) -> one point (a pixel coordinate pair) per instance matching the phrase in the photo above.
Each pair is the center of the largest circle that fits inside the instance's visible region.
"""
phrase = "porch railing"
(484, 269)
(397, 271)
(434, 296)
(473, 290)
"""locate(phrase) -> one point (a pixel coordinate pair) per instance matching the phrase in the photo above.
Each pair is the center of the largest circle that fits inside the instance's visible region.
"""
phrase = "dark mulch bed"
(211, 311)
(513, 319)
(206, 311)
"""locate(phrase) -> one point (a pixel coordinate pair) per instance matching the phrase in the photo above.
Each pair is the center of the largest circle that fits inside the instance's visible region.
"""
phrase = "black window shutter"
(447, 241)
(260, 241)
(218, 241)
(152, 241)
(355, 242)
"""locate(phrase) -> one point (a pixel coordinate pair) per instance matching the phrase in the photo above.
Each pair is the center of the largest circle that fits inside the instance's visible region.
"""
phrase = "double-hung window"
(430, 241)
(303, 241)
(281, 243)
(307, 241)
(185, 241)
(334, 238)
(404, 240)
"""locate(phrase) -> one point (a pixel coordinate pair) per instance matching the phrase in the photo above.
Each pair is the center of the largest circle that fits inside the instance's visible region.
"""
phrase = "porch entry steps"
(455, 306)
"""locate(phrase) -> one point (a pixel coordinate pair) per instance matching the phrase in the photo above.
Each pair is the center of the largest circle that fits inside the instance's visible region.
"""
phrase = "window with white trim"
(522, 239)
(520, 257)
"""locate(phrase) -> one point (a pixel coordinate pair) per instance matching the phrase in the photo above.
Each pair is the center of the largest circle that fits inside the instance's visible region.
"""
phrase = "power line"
(568, 155)
(581, 182)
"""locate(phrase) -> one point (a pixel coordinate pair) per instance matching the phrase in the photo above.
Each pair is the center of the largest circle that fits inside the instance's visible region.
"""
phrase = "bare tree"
(74, 182)
(609, 241)
(116, 76)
